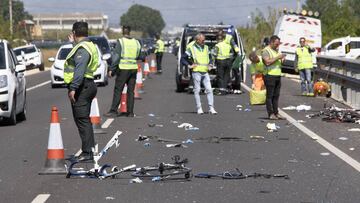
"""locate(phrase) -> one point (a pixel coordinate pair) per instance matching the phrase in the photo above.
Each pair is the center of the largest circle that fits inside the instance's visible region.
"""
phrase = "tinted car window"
(2, 56)
(102, 44)
(26, 50)
(63, 53)
(354, 45)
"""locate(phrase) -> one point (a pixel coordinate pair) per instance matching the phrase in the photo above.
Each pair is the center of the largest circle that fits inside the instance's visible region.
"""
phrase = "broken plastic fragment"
(109, 198)
(185, 125)
(343, 138)
(325, 154)
(354, 130)
(239, 107)
(142, 138)
(188, 141)
(272, 127)
(289, 108)
(136, 180)
(351, 148)
(156, 179)
(256, 137)
(151, 115)
(176, 145)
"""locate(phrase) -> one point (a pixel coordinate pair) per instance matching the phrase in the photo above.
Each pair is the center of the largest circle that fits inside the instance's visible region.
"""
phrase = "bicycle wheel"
(162, 171)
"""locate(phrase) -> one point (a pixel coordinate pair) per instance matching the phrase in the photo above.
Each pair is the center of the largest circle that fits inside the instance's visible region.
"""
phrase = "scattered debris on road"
(338, 115)
(177, 145)
(354, 130)
(136, 180)
(343, 138)
(324, 153)
(298, 108)
(272, 127)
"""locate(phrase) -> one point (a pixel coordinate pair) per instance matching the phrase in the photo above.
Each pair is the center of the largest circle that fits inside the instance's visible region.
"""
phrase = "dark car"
(183, 76)
(103, 45)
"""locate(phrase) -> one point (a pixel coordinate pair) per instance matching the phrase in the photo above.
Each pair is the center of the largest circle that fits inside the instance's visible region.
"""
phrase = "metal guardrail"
(344, 77)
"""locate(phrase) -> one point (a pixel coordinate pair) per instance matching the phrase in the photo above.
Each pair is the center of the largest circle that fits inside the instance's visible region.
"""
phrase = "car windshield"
(2, 56)
(102, 44)
(63, 53)
(26, 50)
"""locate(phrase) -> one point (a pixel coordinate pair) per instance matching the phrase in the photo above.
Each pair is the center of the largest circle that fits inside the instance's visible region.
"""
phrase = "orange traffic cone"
(95, 117)
(153, 68)
(138, 85)
(123, 101)
(55, 162)
(146, 68)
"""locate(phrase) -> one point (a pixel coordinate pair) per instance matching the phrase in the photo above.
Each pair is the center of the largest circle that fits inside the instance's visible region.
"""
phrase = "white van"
(348, 47)
(290, 28)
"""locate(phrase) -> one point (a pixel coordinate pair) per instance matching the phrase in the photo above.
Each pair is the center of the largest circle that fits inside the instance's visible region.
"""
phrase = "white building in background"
(66, 20)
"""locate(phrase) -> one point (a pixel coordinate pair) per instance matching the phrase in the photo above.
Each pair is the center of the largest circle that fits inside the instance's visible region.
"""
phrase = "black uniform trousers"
(81, 113)
(273, 85)
(159, 56)
(123, 77)
(223, 72)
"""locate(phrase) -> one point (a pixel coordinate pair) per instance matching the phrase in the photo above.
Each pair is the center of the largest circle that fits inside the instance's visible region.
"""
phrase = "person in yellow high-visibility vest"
(304, 65)
(257, 71)
(79, 68)
(272, 60)
(223, 63)
(197, 57)
(159, 52)
(124, 66)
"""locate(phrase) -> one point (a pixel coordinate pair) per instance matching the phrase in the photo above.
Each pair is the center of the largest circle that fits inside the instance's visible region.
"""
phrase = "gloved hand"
(296, 70)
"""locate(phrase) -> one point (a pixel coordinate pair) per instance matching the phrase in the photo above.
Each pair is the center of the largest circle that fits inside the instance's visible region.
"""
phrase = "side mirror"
(20, 68)
(51, 59)
(106, 56)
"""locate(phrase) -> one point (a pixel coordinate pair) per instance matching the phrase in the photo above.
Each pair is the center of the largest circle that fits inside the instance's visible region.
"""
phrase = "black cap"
(80, 29)
(126, 27)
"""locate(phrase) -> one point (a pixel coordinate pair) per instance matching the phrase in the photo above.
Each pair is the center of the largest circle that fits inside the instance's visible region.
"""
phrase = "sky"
(175, 12)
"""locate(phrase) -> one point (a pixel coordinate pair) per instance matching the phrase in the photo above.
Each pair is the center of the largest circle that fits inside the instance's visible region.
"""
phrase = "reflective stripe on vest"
(201, 58)
(160, 46)
(69, 66)
(224, 50)
(304, 58)
(275, 68)
(130, 50)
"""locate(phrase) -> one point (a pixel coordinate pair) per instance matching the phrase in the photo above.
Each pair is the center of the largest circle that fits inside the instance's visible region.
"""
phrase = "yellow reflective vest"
(223, 50)
(69, 66)
(160, 46)
(130, 51)
(304, 58)
(201, 57)
(258, 68)
(275, 68)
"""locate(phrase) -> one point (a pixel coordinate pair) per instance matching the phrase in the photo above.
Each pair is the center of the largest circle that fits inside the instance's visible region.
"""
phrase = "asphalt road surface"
(317, 174)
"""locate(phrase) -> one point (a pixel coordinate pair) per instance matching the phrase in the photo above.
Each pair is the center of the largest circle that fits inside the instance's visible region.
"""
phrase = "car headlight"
(3, 81)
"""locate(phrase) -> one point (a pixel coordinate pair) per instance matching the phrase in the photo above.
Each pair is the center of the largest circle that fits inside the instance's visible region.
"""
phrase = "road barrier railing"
(343, 75)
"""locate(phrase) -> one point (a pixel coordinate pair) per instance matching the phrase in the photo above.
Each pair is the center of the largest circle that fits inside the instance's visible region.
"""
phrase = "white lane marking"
(107, 123)
(78, 152)
(342, 155)
(39, 85)
(41, 198)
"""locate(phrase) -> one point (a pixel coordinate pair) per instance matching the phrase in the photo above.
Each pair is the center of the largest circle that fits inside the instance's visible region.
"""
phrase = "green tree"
(143, 18)
(4, 29)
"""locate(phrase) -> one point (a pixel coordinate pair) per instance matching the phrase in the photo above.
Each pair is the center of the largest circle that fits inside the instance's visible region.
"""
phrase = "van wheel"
(22, 115)
(12, 119)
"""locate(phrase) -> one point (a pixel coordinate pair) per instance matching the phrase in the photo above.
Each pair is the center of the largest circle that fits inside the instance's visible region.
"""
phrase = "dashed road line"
(107, 123)
(41, 198)
(39, 85)
(342, 155)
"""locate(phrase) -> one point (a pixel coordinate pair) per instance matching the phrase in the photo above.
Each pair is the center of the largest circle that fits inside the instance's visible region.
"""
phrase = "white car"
(57, 69)
(32, 56)
(348, 47)
(12, 86)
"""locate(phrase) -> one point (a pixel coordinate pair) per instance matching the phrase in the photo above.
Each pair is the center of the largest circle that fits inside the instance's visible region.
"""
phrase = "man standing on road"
(159, 51)
(304, 65)
(223, 61)
(124, 65)
(80, 65)
(272, 60)
(197, 57)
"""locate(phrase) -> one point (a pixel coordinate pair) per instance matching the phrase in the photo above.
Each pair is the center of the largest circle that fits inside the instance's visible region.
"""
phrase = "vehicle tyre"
(54, 86)
(42, 67)
(22, 115)
(179, 87)
(12, 119)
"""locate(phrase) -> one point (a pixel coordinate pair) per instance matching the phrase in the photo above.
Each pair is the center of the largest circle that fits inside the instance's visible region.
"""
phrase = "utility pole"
(11, 18)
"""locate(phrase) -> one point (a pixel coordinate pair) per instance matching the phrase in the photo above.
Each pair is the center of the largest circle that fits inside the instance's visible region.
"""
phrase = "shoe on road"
(279, 117)
(212, 111)
(131, 115)
(200, 111)
(273, 117)
(123, 114)
(85, 157)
